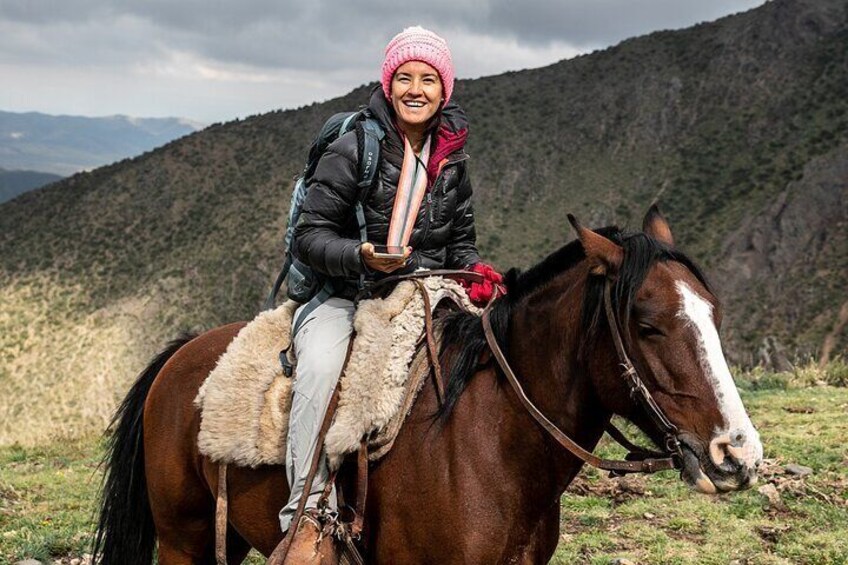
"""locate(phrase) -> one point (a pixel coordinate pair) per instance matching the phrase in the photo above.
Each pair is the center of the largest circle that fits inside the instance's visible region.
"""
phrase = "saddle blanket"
(245, 400)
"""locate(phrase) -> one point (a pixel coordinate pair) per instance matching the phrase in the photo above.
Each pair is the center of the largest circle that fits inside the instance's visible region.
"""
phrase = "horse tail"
(125, 531)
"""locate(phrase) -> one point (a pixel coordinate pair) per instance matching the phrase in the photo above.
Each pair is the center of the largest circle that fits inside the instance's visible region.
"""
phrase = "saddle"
(245, 401)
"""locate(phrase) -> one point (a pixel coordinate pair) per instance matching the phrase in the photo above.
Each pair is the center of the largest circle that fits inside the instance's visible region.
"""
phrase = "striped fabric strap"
(412, 186)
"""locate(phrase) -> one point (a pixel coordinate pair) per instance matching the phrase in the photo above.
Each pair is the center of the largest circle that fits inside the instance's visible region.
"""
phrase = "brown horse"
(475, 480)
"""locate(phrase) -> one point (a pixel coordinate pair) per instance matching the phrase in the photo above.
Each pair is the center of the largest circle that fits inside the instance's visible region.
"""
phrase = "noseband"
(638, 460)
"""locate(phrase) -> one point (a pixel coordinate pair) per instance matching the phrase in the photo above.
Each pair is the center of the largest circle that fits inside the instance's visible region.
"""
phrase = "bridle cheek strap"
(638, 391)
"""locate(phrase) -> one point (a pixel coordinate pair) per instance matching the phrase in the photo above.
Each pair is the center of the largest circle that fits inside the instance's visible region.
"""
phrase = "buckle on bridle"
(672, 445)
(637, 387)
(629, 371)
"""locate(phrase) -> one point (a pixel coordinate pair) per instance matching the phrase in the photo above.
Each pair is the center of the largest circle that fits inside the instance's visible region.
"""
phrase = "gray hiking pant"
(320, 346)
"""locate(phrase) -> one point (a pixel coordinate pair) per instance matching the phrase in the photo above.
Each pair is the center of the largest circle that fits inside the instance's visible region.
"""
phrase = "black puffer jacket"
(327, 235)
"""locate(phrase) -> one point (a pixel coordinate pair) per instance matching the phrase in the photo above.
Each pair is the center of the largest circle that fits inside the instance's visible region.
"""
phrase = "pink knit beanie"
(418, 44)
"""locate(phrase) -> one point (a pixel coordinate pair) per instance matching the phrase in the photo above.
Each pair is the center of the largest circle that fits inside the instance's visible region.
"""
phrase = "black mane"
(640, 252)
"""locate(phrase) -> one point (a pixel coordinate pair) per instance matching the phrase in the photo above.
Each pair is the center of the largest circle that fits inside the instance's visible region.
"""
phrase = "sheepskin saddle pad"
(245, 400)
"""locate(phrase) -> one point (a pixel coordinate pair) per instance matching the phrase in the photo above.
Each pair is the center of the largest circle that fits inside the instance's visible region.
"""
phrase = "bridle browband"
(638, 460)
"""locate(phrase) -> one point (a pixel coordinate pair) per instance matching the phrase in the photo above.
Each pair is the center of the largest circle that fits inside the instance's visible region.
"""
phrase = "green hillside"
(737, 127)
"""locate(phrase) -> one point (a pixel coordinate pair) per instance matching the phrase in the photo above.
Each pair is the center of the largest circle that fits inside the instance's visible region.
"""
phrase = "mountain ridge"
(66, 144)
(737, 127)
(13, 183)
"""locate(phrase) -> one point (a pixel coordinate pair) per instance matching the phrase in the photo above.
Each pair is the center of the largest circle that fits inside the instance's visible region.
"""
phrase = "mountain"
(738, 128)
(13, 183)
(68, 144)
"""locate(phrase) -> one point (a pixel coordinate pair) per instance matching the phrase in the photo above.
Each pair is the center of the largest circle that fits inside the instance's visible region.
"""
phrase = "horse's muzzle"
(707, 472)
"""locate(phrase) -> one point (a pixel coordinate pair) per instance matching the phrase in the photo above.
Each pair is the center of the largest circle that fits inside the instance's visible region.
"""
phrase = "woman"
(421, 158)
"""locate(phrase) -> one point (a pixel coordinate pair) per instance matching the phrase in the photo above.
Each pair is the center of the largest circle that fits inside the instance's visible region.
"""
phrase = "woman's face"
(416, 93)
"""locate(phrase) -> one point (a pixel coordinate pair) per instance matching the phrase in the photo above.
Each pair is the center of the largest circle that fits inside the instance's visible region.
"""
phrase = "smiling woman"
(418, 207)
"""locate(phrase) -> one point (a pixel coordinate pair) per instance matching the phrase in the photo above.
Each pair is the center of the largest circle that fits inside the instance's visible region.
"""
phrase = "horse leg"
(181, 500)
(186, 524)
(237, 547)
(183, 511)
(544, 540)
(200, 549)
(182, 505)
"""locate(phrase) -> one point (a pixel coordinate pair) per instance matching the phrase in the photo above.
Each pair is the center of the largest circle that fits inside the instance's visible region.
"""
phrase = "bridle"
(638, 460)
(638, 391)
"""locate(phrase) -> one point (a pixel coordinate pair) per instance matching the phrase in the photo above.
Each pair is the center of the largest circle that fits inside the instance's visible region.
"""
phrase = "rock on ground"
(797, 470)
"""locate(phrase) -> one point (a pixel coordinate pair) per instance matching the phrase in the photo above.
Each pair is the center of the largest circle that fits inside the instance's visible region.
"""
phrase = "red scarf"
(447, 141)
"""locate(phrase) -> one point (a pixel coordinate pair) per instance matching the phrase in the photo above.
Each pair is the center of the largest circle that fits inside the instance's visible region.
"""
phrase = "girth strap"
(431, 342)
(361, 489)
(221, 517)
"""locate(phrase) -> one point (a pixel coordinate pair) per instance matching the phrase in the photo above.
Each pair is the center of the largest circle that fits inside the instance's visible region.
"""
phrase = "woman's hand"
(382, 264)
(482, 292)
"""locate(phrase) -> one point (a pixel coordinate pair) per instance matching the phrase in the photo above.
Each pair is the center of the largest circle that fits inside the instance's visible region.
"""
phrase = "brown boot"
(311, 545)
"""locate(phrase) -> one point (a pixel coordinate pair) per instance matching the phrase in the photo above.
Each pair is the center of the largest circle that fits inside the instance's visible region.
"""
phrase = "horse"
(471, 478)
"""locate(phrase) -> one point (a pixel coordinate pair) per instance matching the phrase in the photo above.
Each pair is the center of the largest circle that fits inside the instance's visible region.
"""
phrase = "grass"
(804, 374)
(48, 497)
(659, 520)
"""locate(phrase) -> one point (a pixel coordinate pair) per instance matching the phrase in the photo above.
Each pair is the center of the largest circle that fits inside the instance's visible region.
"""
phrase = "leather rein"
(638, 460)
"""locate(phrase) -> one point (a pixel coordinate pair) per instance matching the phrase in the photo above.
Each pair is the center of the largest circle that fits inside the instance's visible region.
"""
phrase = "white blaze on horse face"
(738, 439)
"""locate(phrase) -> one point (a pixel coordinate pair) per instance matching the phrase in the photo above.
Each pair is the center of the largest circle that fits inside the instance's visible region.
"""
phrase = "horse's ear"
(655, 226)
(604, 255)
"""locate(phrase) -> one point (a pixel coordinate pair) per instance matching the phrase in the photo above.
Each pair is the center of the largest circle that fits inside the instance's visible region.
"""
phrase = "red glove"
(482, 292)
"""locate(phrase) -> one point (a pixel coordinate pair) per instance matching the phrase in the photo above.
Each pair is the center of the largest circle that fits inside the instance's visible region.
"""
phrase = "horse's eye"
(647, 330)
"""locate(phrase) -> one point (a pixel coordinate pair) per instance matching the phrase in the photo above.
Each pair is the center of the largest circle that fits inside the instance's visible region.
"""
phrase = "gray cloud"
(303, 50)
(587, 22)
(333, 33)
(25, 11)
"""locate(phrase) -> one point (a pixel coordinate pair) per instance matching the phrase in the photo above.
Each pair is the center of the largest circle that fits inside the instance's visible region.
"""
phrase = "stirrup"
(312, 542)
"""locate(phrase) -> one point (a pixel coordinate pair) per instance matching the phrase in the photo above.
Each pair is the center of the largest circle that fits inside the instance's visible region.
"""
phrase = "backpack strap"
(373, 134)
(271, 299)
(323, 295)
(369, 159)
(346, 123)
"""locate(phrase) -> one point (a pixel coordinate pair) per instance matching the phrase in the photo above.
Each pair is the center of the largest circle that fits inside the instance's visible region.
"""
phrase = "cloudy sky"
(211, 60)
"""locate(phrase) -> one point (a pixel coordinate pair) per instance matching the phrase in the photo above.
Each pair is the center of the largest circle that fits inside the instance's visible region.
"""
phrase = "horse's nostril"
(728, 450)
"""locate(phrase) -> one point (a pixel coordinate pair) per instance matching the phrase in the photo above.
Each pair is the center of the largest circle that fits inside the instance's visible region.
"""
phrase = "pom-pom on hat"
(418, 44)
